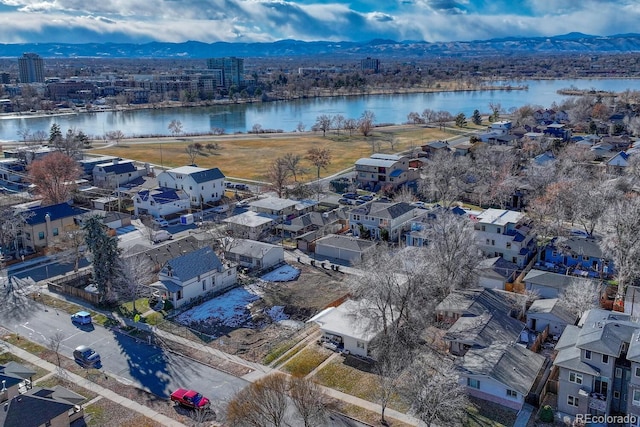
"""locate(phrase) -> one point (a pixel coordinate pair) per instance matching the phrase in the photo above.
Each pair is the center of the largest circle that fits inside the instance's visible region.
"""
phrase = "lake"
(286, 115)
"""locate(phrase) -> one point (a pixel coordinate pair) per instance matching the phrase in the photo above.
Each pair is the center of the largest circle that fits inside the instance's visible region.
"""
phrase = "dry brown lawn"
(249, 156)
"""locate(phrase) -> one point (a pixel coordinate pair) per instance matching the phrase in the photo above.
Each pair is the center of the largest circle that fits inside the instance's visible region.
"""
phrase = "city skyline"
(69, 21)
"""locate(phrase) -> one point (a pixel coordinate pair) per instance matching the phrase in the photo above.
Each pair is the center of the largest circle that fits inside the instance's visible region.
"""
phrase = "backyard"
(254, 320)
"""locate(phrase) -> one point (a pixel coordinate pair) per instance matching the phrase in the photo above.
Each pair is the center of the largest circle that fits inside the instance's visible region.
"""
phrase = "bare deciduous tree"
(581, 295)
(192, 152)
(71, 244)
(55, 341)
(446, 178)
(175, 127)
(136, 272)
(323, 123)
(263, 403)
(292, 162)
(279, 175)
(308, 399)
(366, 123)
(437, 398)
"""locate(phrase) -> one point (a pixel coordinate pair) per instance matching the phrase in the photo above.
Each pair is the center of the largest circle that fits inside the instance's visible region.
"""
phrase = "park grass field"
(248, 156)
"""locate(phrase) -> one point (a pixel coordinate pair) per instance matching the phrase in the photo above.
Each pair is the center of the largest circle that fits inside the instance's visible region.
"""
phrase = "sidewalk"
(83, 382)
(257, 370)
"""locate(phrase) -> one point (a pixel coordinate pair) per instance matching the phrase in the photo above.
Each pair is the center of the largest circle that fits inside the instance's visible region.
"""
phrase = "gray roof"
(252, 248)
(346, 242)
(199, 175)
(497, 267)
(273, 203)
(193, 264)
(160, 254)
(375, 162)
(510, 364)
(384, 210)
(552, 307)
(589, 246)
(633, 353)
(474, 302)
(569, 358)
(33, 408)
(604, 333)
(548, 279)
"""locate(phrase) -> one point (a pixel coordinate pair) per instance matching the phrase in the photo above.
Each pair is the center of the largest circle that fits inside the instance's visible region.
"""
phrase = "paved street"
(134, 362)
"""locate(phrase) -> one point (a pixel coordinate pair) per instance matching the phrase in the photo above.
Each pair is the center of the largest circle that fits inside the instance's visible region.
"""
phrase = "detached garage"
(345, 248)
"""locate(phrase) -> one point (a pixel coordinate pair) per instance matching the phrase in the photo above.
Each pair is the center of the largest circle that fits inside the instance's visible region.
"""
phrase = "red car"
(190, 399)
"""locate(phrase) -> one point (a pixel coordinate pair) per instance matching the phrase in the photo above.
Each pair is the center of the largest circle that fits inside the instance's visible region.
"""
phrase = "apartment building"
(599, 366)
(505, 233)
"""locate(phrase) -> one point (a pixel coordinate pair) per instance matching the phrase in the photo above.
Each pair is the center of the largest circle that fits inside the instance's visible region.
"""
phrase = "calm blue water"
(287, 115)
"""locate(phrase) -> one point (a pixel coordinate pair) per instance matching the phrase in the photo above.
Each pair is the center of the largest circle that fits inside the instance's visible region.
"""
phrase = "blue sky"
(142, 21)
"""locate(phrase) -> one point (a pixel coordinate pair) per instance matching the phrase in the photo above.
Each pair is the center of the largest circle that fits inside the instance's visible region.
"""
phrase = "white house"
(115, 173)
(504, 233)
(253, 254)
(160, 202)
(343, 327)
(193, 275)
(379, 219)
(249, 225)
(382, 170)
(504, 373)
(202, 185)
(548, 312)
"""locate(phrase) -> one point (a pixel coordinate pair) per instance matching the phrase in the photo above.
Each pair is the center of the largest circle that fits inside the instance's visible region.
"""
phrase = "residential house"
(345, 330)
(159, 255)
(12, 170)
(549, 313)
(548, 284)
(87, 165)
(343, 248)
(43, 224)
(558, 131)
(160, 202)
(327, 222)
(55, 407)
(576, 255)
(14, 379)
(252, 254)
(506, 373)
(618, 163)
(379, 220)
(505, 233)
(495, 273)
(250, 225)
(203, 186)
(384, 170)
(194, 275)
(598, 365)
(482, 317)
(433, 147)
(115, 173)
(275, 207)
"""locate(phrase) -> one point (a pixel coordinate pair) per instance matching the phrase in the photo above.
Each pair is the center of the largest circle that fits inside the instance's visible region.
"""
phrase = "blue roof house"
(160, 202)
(194, 275)
(115, 173)
(43, 224)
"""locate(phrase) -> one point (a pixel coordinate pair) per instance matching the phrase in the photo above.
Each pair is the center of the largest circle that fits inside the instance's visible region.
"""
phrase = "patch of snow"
(285, 273)
(230, 309)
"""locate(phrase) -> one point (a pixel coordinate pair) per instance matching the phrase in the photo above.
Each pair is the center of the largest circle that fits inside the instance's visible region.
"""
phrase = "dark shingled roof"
(61, 210)
(207, 175)
(27, 410)
(194, 264)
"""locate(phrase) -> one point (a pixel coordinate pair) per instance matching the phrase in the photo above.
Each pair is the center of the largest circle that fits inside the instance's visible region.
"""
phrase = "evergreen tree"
(461, 120)
(476, 118)
(104, 255)
(55, 134)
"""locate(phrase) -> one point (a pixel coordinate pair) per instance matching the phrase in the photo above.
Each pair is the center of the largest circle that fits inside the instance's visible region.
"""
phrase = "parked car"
(190, 399)
(345, 201)
(161, 236)
(350, 195)
(86, 357)
(229, 185)
(161, 222)
(243, 187)
(366, 198)
(81, 317)
(221, 209)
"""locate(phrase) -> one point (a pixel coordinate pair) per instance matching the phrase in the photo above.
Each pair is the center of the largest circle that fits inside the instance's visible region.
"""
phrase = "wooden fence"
(73, 284)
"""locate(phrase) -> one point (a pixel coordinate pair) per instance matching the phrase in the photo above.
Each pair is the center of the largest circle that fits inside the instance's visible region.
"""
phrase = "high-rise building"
(31, 67)
(232, 70)
(370, 64)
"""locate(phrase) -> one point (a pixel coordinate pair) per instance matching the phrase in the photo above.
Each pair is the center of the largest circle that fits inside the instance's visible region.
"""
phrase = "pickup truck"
(190, 399)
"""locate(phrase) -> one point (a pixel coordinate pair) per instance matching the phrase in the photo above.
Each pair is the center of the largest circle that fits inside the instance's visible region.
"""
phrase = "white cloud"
(268, 20)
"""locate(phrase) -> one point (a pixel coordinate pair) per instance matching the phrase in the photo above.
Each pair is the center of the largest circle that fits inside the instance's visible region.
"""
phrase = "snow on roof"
(344, 321)
(499, 216)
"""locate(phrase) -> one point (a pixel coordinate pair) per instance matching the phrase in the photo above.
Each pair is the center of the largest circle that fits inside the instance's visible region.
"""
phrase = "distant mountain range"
(567, 43)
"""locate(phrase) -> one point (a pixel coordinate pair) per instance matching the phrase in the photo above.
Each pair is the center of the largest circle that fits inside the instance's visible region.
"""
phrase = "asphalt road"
(133, 362)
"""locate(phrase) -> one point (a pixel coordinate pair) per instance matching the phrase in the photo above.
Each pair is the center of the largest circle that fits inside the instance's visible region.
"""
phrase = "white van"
(161, 236)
